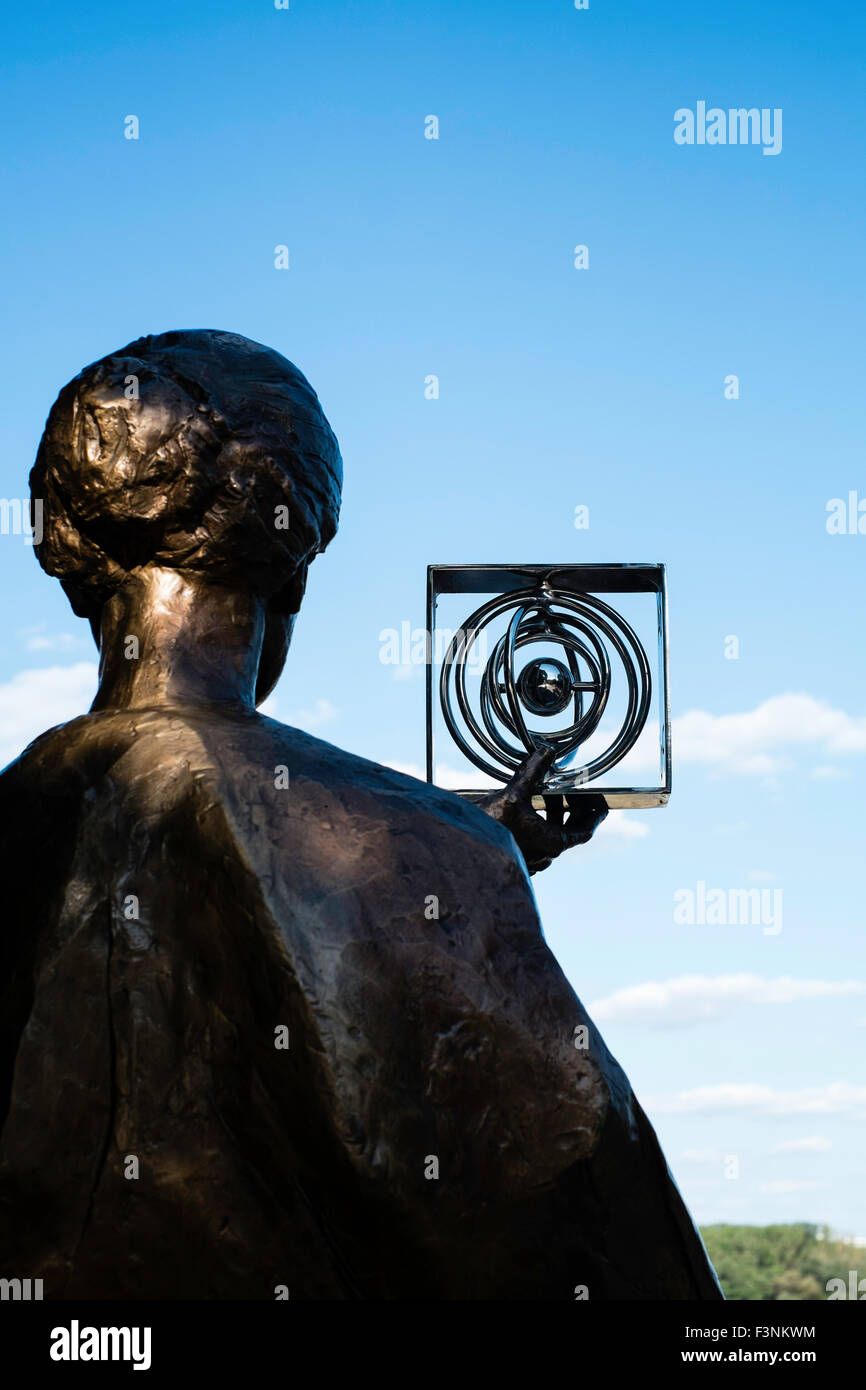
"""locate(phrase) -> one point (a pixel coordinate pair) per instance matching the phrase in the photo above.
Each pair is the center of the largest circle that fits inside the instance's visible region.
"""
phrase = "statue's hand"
(541, 840)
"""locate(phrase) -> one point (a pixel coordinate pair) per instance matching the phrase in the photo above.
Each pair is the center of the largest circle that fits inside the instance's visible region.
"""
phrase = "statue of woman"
(276, 1021)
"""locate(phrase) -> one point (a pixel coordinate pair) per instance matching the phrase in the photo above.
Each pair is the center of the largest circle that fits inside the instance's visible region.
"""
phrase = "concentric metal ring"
(589, 630)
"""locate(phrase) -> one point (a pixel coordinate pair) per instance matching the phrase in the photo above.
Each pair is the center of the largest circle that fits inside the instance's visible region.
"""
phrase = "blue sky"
(558, 387)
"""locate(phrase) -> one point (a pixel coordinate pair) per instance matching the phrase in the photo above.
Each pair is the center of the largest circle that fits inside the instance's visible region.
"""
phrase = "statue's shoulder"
(360, 787)
(244, 760)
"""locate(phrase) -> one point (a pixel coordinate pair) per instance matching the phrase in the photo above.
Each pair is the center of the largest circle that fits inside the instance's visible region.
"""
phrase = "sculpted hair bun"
(178, 450)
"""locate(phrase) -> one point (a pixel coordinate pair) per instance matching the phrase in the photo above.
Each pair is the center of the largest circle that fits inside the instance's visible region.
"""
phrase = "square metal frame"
(587, 579)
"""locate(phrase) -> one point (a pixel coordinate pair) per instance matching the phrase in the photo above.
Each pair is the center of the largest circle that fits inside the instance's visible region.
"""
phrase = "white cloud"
(761, 876)
(619, 826)
(835, 1098)
(449, 777)
(758, 741)
(815, 1143)
(690, 998)
(35, 700)
(36, 639)
(409, 769)
(457, 779)
(784, 1185)
(321, 713)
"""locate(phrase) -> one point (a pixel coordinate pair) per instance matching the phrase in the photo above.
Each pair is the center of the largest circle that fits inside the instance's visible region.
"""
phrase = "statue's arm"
(541, 839)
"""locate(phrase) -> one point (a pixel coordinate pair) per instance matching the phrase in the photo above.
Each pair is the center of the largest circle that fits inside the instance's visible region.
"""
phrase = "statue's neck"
(171, 639)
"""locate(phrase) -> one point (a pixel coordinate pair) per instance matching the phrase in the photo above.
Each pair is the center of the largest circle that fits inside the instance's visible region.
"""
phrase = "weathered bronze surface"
(186, 878)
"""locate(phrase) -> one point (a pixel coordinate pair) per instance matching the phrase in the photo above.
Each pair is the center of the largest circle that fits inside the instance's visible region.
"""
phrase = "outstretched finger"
(592, 808)
(554, 808)
(530, 775)
(584, 821)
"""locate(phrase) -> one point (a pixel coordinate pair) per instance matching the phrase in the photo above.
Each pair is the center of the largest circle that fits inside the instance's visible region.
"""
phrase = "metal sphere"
(545, 686)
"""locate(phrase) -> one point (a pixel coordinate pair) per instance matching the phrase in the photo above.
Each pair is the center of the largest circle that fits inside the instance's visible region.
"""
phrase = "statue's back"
(280, 1016)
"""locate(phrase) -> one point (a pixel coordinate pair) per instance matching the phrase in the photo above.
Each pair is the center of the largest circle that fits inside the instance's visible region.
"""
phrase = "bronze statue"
(277, 1020)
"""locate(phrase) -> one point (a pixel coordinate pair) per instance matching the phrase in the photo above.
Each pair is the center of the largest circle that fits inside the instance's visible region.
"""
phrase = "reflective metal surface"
(586, 628)
(601, 671)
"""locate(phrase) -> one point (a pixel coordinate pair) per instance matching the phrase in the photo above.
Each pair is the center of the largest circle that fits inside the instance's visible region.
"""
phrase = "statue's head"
(197, 451)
